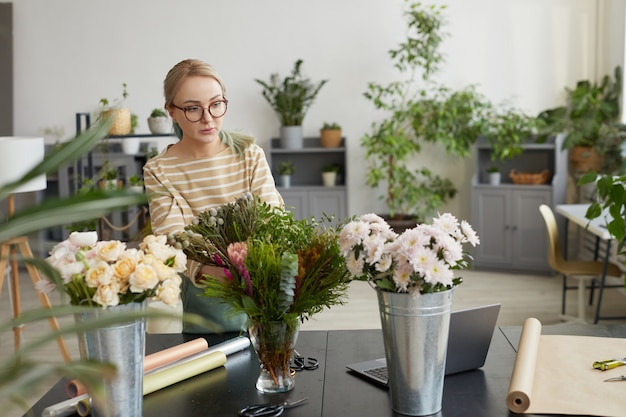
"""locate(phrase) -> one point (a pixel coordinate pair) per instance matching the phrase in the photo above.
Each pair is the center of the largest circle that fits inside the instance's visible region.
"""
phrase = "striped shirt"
(180, 188)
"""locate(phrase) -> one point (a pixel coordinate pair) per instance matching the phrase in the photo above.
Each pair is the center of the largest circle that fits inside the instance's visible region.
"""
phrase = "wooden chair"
(582, 271)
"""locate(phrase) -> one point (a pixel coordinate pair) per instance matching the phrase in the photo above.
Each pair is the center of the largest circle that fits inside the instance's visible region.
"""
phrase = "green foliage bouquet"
(276, 268)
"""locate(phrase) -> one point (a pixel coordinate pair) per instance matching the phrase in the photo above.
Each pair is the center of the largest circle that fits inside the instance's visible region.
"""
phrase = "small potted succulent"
(494, 175)
(330, 135)
(286, 169)
(159, 123)
(135, 183)
(329, 175)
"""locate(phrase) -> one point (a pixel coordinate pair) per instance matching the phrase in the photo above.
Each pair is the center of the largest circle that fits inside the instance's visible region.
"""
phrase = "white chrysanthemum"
(385, 262)
(354, 265)
(374, 246)
(438, 273)
(446, 222)
(470, 234)
(402, 277)
(353, 233)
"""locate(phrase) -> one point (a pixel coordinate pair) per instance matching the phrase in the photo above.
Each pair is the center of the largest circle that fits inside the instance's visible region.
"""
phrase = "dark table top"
(331, 389)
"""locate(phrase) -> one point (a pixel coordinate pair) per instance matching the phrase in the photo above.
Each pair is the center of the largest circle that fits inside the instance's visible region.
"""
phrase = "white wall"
(70, 53)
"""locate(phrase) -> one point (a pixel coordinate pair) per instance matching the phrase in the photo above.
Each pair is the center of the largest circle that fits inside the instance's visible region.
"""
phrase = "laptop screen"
(469, 339)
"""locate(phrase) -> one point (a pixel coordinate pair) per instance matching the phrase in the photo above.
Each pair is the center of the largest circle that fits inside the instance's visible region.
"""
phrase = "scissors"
(268, 410)
(301, 363)
(616, 378)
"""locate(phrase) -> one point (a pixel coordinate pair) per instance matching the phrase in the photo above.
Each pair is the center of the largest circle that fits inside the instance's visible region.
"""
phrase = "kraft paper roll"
(554, 374)
(174, 353)
(522, 379)
(174, 374)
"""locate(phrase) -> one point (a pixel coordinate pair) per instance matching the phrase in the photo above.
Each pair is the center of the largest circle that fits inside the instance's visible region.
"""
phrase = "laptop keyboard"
(379, 373)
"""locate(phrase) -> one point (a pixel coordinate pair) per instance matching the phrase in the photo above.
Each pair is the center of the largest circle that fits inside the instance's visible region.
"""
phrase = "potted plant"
(329, 174)
(285, 170)
(159, 123)
(330, 135)
(494, 175)
(291, 97)
(417, 114)
(108, 177)
(590, 118)
(122, 123)
(135, 183)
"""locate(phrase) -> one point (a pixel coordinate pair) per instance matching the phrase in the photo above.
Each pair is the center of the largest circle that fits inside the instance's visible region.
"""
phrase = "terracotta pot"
(584, 159)
(330, 138)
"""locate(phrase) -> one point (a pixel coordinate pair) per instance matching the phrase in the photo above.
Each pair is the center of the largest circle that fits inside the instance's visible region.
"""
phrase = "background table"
(576, 214)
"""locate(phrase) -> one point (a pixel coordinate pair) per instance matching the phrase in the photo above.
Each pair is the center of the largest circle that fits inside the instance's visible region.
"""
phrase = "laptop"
(468, 343)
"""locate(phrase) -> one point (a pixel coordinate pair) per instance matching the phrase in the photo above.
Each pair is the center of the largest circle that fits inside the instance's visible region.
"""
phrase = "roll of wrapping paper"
(180, 372)
(522, 379)
(152, 361)
(64, 408)
(228, 347)
(174, 353)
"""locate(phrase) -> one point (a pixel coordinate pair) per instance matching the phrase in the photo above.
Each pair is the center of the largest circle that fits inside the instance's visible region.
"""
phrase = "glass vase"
(274, 342)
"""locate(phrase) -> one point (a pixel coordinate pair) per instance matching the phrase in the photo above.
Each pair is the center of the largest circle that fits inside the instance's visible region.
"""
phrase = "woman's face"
(195, 94)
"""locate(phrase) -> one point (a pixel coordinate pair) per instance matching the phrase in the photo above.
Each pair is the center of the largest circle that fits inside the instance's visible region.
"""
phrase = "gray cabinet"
(506, 216)
(307, 196)
(307, 202)
(511, 229)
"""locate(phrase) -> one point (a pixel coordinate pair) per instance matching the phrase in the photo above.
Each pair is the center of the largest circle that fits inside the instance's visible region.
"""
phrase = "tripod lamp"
(18, 155)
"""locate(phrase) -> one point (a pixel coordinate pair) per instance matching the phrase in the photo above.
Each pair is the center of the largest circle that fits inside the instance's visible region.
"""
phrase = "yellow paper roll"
(522, 379)
(170, 376)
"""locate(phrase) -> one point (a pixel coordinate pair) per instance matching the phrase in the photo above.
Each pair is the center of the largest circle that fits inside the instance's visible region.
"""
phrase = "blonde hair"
(191, 68)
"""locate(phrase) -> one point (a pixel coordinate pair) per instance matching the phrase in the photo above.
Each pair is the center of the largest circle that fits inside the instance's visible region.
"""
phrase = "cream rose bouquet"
(107, 273)
(420, 260)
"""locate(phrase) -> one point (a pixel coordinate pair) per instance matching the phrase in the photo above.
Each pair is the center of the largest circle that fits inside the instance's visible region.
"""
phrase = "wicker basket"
(121, 121)
(530, 178)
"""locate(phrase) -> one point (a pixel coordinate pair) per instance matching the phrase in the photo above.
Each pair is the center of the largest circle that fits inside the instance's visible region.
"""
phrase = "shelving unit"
(506, 216)
(307, 195)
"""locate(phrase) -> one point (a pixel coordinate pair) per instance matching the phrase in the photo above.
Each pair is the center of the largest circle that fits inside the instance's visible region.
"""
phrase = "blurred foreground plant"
(21, 374)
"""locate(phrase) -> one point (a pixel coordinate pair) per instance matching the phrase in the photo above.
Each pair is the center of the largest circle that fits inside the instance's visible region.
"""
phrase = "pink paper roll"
(174, 353)
(74, 388)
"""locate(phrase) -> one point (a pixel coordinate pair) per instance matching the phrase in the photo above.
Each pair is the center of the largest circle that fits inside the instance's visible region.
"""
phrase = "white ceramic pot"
(130, 146)
(494, 178)
(159, 125)
(329, 178)
(285, 180)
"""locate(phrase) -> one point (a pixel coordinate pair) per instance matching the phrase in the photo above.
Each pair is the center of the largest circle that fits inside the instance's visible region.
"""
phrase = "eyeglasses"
(195, 113)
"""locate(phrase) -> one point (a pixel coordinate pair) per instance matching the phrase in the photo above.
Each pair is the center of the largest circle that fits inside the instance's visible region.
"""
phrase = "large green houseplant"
(590, 118)
(291, 97)
(420, 111)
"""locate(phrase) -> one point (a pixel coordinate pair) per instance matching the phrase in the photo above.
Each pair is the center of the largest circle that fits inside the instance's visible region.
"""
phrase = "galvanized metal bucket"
(122, 345)
(415, 331)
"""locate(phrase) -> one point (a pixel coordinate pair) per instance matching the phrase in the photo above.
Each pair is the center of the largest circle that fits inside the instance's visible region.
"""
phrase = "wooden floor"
(521, 296)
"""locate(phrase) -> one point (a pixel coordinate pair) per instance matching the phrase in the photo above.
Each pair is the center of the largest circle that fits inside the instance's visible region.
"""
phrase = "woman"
(207, 167)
